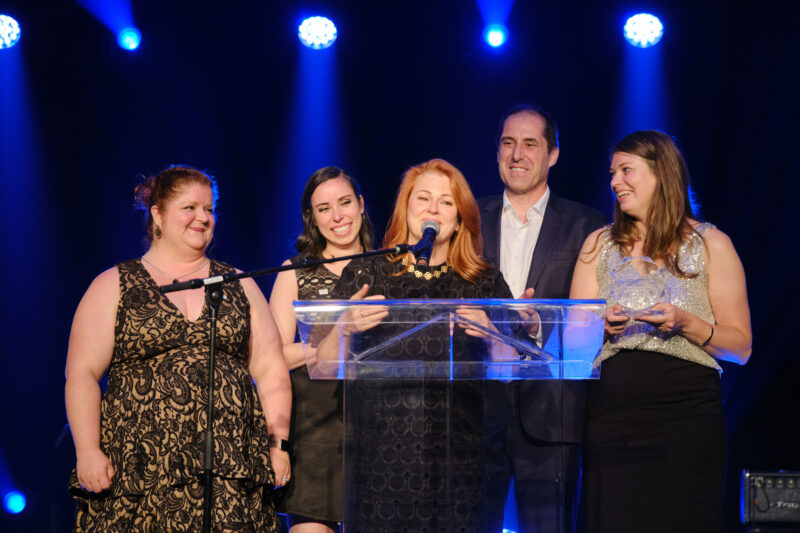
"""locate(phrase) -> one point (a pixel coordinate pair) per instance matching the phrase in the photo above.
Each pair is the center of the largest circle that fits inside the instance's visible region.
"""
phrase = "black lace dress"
(415, 459)
(316, 488)
(153, 419)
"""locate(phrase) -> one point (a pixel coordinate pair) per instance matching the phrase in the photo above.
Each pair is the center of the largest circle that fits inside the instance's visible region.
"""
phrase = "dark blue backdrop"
(227, 87)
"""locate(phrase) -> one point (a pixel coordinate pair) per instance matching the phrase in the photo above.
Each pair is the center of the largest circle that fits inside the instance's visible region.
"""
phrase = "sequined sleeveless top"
(689, 294)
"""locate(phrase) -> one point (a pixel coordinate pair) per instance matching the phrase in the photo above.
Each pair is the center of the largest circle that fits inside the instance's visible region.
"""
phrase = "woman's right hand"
(91, 345)
(365, 317)
(615, 322)
(94, 471)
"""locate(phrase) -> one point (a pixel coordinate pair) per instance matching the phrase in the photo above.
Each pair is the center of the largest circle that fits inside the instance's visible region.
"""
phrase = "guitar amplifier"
(770, 497)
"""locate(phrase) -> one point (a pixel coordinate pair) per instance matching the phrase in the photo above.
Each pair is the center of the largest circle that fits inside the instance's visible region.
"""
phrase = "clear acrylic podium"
(417, 378)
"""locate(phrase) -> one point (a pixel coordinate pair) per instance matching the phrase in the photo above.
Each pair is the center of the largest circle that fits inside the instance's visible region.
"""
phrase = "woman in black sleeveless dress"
(417, 450)
(334, 224)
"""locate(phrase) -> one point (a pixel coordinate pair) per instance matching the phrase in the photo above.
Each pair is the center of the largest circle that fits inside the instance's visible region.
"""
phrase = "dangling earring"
(157, 232)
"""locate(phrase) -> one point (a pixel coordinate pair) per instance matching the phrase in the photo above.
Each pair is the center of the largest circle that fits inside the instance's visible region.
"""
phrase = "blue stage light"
(317, 32)
(495, 35)
(9, 31)
(643, 30)
(129, 38)
(14, 502)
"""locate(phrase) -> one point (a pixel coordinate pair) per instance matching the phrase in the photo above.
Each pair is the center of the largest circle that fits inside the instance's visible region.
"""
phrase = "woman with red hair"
(420, 442)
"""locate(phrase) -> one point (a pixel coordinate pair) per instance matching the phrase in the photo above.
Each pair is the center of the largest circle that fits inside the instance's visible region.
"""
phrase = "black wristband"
(281, 444)
(709, 337)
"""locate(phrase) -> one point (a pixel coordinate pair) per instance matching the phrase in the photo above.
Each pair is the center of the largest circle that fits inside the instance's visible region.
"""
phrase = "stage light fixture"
(495, 35)
(9, 31)
(129, 39)
(317, 32)
(643, 30)
(14, 502)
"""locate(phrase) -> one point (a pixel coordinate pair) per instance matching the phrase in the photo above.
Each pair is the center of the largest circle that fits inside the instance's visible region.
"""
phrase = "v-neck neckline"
(177, 309)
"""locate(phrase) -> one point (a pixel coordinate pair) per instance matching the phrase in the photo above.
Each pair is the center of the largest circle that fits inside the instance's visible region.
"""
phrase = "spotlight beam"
(14, 502)
(317, 32)
(495, 35)
(129, 39)
(643, 30)
(9, 31)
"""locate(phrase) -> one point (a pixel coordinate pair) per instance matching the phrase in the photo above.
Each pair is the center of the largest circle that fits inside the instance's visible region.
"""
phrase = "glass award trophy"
(637, 284)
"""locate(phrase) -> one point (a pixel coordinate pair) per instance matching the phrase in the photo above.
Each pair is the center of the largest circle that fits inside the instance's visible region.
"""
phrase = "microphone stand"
(214, 296)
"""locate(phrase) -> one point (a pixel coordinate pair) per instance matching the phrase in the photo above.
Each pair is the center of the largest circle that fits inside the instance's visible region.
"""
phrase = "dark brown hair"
(310, 241)
(668, 219)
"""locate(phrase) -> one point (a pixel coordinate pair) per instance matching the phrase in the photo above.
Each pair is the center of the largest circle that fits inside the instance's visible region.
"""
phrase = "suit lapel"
(548, 240)
(491, 235)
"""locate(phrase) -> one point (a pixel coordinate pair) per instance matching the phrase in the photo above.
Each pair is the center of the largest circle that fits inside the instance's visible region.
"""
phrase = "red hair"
(466, 245)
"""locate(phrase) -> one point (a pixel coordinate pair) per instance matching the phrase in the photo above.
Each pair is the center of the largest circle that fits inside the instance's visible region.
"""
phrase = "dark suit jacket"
(565, 226)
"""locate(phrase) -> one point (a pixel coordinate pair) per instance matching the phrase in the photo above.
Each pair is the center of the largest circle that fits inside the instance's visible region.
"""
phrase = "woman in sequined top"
(335, 224)
(655, 436)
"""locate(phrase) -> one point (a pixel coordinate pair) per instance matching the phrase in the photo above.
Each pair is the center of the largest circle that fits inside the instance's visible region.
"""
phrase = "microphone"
(422, 250)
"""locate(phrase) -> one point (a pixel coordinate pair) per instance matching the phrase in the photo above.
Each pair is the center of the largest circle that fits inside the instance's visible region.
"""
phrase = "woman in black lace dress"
(335, 224)
(416, 450)
(140, 444)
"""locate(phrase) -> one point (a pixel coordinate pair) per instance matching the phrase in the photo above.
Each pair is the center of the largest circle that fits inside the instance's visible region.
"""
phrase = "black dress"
(416, 453)
(315, 491)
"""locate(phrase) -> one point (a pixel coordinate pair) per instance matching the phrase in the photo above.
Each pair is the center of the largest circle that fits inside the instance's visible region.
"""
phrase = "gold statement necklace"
(437, 273)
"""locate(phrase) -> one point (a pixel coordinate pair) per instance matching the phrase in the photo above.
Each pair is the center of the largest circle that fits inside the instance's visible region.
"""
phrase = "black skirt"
(655, 449)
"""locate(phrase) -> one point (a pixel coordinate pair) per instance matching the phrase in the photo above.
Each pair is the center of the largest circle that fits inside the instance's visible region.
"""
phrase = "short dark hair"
(550, 126)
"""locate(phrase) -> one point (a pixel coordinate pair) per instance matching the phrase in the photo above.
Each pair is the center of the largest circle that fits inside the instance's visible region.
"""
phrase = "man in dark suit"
(534, 237)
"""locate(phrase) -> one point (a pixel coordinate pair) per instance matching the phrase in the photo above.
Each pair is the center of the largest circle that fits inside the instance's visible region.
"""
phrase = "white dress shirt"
(517, 241)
